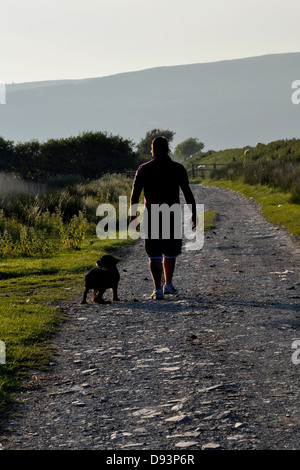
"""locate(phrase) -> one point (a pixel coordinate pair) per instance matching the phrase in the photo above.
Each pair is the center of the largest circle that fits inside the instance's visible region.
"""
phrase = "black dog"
(105, 276)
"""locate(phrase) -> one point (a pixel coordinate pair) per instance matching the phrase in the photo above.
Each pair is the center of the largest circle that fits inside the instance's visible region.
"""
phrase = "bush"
(88, 155)
(63, 181)
(276, 165)
(73, 233)
(33, 224)
(295, 196)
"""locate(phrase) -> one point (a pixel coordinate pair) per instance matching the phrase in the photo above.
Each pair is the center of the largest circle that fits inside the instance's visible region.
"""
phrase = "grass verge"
(275, 204)
(32, 292)
(210, 218)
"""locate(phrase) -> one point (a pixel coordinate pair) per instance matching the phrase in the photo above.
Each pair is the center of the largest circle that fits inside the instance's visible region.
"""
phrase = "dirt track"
(211, 368)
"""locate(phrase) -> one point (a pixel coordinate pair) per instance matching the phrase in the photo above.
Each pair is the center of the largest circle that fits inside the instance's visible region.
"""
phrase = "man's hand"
(194, 220)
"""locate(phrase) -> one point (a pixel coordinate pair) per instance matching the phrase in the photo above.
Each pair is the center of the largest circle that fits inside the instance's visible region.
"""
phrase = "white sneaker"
(157, 294)
(169, 289)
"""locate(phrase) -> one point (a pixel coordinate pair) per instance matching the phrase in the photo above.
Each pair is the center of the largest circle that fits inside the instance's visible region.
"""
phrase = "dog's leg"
(98, 298)
(85, 293)
(96, 292)
(115, 293)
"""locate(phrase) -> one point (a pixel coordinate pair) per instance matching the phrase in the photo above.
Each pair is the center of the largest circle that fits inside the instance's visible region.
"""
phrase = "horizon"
(153, 68)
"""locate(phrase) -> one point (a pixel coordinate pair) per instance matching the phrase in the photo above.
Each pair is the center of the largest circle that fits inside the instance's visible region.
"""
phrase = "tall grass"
(276, 165)
(269, 174)
(11, 184)
(35, 222)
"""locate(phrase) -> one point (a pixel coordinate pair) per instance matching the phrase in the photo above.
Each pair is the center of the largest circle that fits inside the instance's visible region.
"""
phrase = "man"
(161, 178)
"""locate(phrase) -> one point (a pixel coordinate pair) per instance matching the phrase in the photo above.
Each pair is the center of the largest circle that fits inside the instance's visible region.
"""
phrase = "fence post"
(193, 170)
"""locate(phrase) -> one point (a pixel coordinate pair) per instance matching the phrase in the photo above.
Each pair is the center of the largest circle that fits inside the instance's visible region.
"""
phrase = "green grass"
(275, 204)
(33, 291)
(269, 174)
(210, 218)
(210, 157)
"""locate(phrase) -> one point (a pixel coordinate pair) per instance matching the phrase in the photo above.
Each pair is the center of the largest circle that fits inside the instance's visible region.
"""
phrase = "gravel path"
(210, 368)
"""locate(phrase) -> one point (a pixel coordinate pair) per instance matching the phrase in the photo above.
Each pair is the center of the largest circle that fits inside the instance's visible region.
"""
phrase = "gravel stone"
(209, 368)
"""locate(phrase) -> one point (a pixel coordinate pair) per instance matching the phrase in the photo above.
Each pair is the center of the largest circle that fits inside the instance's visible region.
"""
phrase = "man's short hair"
(160, 146)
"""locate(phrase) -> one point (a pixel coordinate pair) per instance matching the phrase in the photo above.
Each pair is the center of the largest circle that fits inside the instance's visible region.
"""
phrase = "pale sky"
(74, 39)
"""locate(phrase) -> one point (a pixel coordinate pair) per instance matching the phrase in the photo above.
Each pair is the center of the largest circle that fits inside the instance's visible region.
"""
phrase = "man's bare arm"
(190, 200)
(134, 198)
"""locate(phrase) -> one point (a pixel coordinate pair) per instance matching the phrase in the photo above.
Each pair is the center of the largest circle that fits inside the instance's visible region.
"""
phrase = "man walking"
(161, 178)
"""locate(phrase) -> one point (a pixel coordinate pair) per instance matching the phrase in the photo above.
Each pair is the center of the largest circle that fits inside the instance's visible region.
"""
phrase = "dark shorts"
(156, 249)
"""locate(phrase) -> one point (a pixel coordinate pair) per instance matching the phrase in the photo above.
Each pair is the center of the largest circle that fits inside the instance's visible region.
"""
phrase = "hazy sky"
(61, 39)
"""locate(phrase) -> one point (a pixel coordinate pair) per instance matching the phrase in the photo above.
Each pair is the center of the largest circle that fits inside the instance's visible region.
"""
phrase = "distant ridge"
(228, 103)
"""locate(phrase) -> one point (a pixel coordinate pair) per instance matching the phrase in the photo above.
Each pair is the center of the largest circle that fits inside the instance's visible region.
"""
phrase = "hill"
(275, 165)
(225, 104)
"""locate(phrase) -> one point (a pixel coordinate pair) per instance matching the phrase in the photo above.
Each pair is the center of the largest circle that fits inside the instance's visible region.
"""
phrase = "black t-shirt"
(161, 178)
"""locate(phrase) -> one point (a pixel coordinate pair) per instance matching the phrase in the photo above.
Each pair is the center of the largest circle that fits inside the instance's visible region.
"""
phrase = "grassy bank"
(275, 205)
(58, 218)
(269, 174)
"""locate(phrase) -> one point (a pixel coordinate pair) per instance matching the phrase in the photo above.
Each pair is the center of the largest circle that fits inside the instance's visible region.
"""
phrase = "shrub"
(295, 196)
(72, 233)
(62, 181)
(31, 243)
(32, 224)
(275, 165)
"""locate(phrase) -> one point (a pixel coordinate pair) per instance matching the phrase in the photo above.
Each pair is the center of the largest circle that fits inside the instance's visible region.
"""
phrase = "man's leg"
(171, 249)
(168, 267)
(156, 269)
(153, 250)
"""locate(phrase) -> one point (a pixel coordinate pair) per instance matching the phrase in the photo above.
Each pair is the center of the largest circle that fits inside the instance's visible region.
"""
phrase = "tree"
(6, 155)
(187, 148)
(144, 147)
(27, 157)
(90, 155)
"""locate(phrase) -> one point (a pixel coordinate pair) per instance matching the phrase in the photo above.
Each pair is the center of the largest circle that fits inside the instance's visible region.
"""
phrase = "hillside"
(225, 104)
(276, 164)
